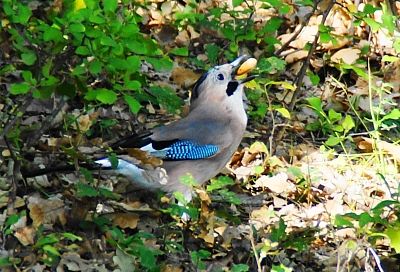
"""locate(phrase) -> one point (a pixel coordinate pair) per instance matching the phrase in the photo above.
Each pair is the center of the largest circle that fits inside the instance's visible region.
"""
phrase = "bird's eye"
(220, 77)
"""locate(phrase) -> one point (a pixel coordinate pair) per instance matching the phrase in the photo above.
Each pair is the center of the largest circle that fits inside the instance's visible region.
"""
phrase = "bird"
(198, 145)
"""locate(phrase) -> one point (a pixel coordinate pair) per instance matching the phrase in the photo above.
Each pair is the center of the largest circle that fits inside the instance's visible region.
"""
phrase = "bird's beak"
(243, 65)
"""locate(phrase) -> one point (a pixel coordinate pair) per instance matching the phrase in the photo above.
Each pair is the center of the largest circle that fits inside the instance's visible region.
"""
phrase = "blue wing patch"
(188, 150)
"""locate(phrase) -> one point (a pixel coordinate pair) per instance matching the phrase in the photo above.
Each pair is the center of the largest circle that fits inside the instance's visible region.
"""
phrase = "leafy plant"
(375, 224)
(331, 123)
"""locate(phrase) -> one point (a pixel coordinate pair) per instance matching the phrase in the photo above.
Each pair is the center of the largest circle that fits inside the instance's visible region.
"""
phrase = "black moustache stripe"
(232, 86)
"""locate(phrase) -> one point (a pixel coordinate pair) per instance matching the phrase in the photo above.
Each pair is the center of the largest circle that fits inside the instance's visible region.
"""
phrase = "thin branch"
(303, 70)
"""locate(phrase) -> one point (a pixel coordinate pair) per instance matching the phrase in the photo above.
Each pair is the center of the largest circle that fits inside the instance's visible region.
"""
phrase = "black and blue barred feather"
(188, 150)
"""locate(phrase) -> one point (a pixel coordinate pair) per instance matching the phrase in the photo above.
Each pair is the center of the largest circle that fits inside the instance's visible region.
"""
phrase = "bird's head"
(221, 83)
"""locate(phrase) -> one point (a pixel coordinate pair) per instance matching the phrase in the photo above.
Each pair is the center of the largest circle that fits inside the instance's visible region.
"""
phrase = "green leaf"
(314, 78)
(133, 85)
(285, 113)
(229, 196)
(85, 190)
(394, 235)
(372, 23)
(278, 233)
(106, 96)
(133, 104)
(160, 64)
(27, 76)
(49, 81)
(95, 67)
(334, 116)
(51, 250)
(183, 51)
(147, 257)
(281, 268)
(110, 5)
(166, 97)
(129, 30)
(24, 13)
(29, 57)
(342, 221)
(348, 123)
(369, 9)
(212, 52)
(106, 40)
(393, 115)
(219, 183)
(388, 20)
(72, 237)
(52, 34)
(133, 63)
(333, 140)
(82, 50)
(136, 46)
(325, 37)
(240, 268)
(77, 28)
(236, 3)
(315, 103)
(47, 240)
(5, 262)
(19, 88)
(365, 219)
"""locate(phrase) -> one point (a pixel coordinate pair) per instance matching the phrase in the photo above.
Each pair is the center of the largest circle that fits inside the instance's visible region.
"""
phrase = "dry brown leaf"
(346, 55)
(184, 77)
(296, 56)
(207, 236)
(144, 157)
(262, 217)
(4, 198)
(171, 268)
(46, 211)
(125, 220)
(228, 233)
(26, 235)
(368, 144)
(278, 184)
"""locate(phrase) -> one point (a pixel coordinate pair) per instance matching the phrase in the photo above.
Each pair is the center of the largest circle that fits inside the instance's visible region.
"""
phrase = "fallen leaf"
(278, 184)
(346, 55)
(46, 211)
(125, 220)
(25, 235)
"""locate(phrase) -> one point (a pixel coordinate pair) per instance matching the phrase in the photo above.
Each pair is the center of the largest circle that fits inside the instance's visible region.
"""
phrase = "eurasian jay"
(202, 143)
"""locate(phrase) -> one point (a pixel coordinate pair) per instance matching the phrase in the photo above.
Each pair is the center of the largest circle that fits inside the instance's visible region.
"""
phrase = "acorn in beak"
(243, 65)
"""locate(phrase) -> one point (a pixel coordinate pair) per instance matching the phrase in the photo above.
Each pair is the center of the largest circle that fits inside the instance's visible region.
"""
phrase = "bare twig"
(11, 123)
(303, 70)
(303, 24)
